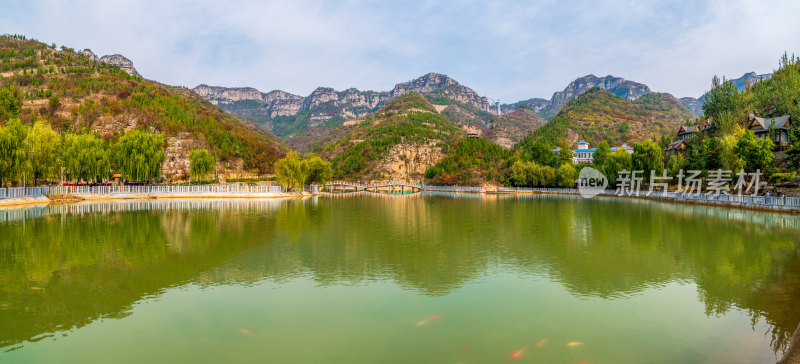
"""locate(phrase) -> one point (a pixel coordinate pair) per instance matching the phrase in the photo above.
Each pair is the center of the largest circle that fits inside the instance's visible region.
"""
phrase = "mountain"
(598, 115)
(507, 130)
(118, 60)
(76, 92)
(287, 115)
(621, 87)
(397, 143)
(741, 83)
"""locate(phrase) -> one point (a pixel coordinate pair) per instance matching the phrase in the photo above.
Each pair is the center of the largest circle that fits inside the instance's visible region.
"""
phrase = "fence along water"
(735, 200)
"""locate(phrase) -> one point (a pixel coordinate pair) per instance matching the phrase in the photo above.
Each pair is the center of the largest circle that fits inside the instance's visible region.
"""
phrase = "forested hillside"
(397, 143)
(74, 95)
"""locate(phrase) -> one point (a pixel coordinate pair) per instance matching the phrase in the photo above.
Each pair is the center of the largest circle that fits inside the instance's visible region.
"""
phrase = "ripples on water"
(65, 266)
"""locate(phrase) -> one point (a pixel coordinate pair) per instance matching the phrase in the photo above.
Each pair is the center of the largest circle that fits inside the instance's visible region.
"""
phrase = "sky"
(503, 49)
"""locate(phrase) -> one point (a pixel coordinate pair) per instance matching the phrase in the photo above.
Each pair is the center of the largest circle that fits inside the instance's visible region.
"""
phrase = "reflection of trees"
(66, 271)
(600, 247)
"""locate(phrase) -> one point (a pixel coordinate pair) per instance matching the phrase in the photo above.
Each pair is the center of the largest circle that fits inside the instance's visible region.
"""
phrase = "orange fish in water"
(541, 343)
(244, 331)
(436, 318)
(421, 323)
(464, 348)
(517, 354)
(574, 344)
(36, 288)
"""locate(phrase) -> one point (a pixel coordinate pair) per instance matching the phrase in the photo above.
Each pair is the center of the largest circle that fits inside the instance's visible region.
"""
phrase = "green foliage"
(540, 152)
(647, 156)
(529, 174)
(470, 162)
(598, 115)
(13, 158)
(400, 122)
(138, 155)
(86, 157)
(722, 99)
(617, 161)
(292, 171)
(601, 155)
(10, 103)
(782, 177)
(44, 149)
(675, 164)
(103, 89)
(319, 171)
(566, 175)
(756, 152)
(201, 163)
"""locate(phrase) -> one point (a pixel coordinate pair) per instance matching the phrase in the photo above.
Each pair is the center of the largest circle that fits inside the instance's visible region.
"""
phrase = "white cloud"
(504, 49)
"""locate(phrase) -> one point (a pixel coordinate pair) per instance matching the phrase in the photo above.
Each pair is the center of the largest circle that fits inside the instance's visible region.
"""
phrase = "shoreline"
(739, 206)
(44, 200)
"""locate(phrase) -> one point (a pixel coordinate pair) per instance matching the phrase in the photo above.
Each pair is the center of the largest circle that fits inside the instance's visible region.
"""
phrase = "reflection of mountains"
(92, 260)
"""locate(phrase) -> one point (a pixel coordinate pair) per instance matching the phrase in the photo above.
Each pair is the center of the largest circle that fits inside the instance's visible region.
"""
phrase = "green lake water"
(432, 278)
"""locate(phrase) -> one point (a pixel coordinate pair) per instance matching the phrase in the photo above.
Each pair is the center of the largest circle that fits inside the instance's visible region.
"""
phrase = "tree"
(13, 158)
(756, 152)
(566, 175)
(86, 157)
(601, 155)
(647, 156)
(10, 103)
(201, 164)
(723, 97)
(542, 153)
(674, 164)
(43, 146)
(618, 161)
(138, 155)
(292, 171)
(319, 171)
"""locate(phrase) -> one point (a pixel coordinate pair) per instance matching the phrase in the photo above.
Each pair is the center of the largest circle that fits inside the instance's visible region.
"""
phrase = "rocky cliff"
(118, 60)
(628, 90)
(741, 83)
(287, 115)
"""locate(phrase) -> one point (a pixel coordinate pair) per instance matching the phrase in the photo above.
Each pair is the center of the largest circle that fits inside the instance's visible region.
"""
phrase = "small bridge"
(389, 188)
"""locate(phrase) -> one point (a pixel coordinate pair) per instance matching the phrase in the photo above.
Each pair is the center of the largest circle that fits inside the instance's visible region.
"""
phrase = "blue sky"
(510, 50)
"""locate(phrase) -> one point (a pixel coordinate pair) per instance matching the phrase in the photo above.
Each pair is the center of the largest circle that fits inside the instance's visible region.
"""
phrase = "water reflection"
(63, 266)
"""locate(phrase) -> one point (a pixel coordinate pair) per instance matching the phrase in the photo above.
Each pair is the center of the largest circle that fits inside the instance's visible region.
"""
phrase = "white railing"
(157, 190)
(743, 200)
(18, 192)
(453, 189)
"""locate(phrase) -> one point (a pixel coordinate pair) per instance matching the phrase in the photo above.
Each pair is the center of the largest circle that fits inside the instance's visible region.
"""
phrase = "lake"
(428, 278)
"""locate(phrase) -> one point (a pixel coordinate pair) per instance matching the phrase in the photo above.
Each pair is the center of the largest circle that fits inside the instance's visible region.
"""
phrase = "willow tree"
(13, 158)
(86, 157)
(201, 163)
(292, 171)
(319, 171)
(43, 146)
(138, 155)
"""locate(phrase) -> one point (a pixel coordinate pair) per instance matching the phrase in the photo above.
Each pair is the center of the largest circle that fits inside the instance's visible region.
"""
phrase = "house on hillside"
(687, 132)
(677, 147)
(780, 126)
(585, 155)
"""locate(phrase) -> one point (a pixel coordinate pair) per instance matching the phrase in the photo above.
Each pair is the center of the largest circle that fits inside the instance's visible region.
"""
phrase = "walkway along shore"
(43, 195)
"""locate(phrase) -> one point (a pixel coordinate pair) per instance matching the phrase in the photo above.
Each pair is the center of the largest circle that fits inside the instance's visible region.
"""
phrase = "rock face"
(407, 163)
(89, 54)
(507, 130)
(621, 87)
(121, 62)
(118, 60)
(286, 114)
(694, 105)
(741, 83)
